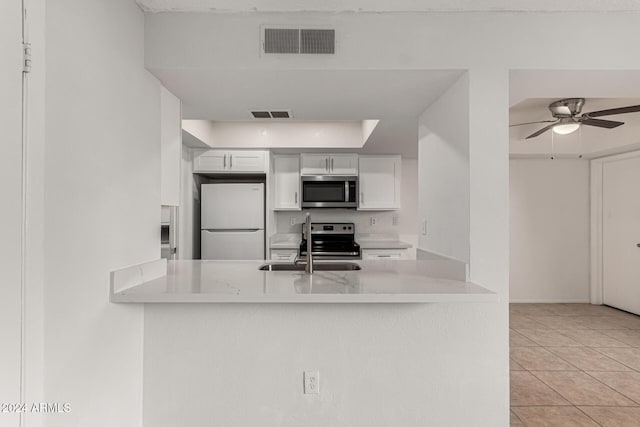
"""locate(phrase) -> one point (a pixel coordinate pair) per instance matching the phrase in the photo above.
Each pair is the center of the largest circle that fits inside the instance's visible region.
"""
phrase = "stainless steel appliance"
(331, 241)
(168, 232)
(329, 191)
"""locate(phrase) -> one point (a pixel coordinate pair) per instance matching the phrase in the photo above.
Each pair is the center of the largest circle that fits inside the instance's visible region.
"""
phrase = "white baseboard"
(549, 301)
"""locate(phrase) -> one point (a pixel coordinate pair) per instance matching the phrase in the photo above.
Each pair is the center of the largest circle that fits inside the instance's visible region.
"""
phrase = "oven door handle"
(346, 191)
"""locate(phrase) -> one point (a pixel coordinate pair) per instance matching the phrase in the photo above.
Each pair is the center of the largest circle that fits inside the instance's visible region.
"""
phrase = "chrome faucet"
(308, 263)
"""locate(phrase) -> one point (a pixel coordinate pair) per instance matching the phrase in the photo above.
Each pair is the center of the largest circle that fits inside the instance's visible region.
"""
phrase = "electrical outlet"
(373, 220)
(395, 220)
(311, 382)
(292, 220)
(424, 227)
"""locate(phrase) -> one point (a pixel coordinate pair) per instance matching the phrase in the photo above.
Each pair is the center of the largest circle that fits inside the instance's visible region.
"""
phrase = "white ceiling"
(226, 95)
(231, 6)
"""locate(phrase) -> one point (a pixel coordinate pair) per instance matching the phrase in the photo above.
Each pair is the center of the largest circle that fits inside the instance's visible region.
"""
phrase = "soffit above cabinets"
(311, 94)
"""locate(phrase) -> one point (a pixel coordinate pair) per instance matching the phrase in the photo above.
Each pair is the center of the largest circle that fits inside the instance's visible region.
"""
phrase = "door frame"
(597, 167)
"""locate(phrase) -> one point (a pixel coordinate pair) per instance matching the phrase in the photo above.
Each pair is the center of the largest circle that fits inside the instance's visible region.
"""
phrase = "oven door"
(326, 191)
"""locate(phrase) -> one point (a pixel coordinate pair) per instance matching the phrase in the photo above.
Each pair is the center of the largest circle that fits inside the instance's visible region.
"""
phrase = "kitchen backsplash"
(384, 221)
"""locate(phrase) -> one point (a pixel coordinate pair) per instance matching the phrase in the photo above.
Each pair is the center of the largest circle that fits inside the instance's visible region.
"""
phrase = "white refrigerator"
(232, 221)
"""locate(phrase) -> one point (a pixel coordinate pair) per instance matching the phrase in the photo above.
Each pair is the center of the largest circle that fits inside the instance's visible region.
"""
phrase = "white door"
(621, 234)
(287, 182)
(11, 212)
(232, 245)
(232, 207)
(343, 164)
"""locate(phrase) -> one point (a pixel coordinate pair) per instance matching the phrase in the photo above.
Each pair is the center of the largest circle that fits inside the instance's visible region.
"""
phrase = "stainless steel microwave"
(329, 191)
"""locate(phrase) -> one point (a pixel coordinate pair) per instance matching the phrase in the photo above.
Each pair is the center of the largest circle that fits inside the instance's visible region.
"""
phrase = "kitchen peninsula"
(205, 281)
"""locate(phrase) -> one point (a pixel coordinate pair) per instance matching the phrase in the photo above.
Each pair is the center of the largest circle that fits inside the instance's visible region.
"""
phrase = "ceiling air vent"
(299, 41)
(276, 114)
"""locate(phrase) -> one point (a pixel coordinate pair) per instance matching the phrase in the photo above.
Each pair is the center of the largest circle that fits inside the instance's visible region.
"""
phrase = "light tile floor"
(574, 365)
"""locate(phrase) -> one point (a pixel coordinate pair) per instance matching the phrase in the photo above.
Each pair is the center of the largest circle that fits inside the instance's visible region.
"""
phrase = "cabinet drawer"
(382, 254)
(288, 255)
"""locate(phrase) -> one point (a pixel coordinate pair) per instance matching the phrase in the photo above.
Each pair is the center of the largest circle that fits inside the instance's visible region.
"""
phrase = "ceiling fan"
(567, 117)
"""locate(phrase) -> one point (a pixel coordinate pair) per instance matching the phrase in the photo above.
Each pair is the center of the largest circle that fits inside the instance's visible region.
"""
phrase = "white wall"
(549, 230)
(407, 215)
(170, 147)
(102, 199)
(242, 364)
(443, 152)
(11, 212)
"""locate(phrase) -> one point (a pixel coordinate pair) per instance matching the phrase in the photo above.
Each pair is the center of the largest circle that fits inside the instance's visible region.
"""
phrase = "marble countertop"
(241, 282)
(366, 241)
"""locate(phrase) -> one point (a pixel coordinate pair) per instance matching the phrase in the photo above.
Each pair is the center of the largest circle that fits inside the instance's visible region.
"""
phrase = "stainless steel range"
(333, 240)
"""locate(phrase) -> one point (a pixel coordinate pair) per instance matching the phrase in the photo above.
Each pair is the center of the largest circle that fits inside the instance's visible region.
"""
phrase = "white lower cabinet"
(288, 255)
(381, 254)
(286, 176)
(379, 181)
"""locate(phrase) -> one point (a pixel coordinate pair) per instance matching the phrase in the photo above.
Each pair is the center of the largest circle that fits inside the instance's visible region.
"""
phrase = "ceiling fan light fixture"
(565, 127)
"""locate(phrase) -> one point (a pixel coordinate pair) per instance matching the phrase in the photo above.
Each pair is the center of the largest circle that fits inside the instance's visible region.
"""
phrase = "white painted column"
(489, 199)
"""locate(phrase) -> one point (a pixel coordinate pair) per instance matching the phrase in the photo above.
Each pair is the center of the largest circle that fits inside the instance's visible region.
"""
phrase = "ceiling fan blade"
(531, 123)
(612, 111)
(609, 124)
(541, 131)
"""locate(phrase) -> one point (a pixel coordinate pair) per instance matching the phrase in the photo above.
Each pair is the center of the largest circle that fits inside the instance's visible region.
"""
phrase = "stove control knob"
(344, 228)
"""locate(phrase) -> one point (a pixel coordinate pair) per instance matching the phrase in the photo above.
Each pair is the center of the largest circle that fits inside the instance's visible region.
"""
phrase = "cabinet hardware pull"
(230, 161)
(296, 198)
(224, 164)
(331, 165)
(326, 164)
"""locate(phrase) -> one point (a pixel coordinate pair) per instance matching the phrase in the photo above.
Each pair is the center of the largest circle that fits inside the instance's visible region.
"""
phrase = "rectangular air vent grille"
(266, 114)
(299, 41)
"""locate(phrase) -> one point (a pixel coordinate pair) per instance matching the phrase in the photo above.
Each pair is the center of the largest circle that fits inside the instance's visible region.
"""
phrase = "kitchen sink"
(318, 266)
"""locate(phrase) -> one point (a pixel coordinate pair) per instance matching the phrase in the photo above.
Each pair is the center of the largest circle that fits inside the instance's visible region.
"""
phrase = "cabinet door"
(384, 254)
(287, 182)
(379, 182)
(287, 255)
(210, 161)
(343, 164)
(314, 164)
(246, 161)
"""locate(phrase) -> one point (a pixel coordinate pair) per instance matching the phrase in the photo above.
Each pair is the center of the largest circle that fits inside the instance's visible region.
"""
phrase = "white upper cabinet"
(229, 161)
(286, 175)
(329, 164)
(170, 147)
(379, 182)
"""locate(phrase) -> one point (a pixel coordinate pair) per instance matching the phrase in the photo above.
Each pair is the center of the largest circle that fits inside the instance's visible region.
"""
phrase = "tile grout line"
(588, 416)
(619, 361)
(633, 400)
